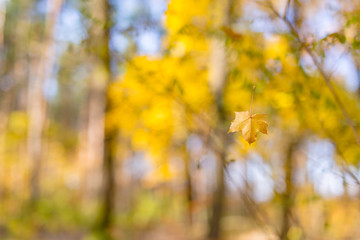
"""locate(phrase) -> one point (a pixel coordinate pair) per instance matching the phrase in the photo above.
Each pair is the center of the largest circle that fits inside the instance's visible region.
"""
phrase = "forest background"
(114, 119)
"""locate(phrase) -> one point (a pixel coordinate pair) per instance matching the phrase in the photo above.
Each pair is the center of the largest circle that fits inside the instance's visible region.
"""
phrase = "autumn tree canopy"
(179, 119)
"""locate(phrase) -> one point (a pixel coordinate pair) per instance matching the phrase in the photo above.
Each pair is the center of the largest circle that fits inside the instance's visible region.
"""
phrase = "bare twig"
(261, 218)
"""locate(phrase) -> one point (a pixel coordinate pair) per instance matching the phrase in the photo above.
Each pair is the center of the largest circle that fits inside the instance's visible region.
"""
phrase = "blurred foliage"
(169, 122)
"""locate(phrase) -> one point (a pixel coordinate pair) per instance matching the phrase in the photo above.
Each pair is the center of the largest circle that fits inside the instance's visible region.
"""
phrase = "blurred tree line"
(102, 138)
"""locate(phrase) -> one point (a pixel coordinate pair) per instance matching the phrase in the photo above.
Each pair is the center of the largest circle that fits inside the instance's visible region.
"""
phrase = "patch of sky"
(208, 170)
(126, 9)
(137, 166)
(149, 42)
(259, 20)
(143, 19)
(41, 6)
(340, 63)
(322, 169)
(236, 176)
(258, 175)
(157, 9)
(322, 23)
(50, 88)
(70, 27)
(119, 42)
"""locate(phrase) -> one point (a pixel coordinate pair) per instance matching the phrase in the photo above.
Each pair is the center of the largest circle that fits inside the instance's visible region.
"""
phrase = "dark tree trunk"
(101, 106)
(189, 188)
(288, 196)
(217, 81)
(218, 201)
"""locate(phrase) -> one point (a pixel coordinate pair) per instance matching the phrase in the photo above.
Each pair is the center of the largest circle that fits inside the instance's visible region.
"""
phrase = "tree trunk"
(218, 200)
(289, 193)
(101, 139)
(100, 77)
(109, 180)
(217, 81)
(36, 101)
(2, 23)
(188, 182)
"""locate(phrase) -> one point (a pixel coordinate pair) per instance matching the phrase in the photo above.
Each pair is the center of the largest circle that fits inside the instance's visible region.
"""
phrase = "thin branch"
(320, 68)
(261, 218)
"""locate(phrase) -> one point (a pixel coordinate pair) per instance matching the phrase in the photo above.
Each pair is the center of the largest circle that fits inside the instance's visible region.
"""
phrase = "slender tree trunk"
(217, 80)
(36, 101)
(218, 199)
(95, 139)
(13, 70)
(289, 193)
(289, 166)
(4, 100)
(108, 201)
(99, 55)
(101, 139)
(188, 182)
(2, 23)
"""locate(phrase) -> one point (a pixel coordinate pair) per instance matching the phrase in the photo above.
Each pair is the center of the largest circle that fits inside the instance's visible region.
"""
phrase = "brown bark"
(2, 23)
(36, 101)
(217, 81)
(188, 182)
(108, 201)
(96, 105)
(218, 200)
(101, 139)
(288, 196)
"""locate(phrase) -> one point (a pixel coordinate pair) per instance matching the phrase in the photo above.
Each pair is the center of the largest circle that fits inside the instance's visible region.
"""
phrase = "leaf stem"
(252, 99)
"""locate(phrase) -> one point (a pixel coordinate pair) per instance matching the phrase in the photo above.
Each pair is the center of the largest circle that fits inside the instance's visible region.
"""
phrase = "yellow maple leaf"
(249, 125)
